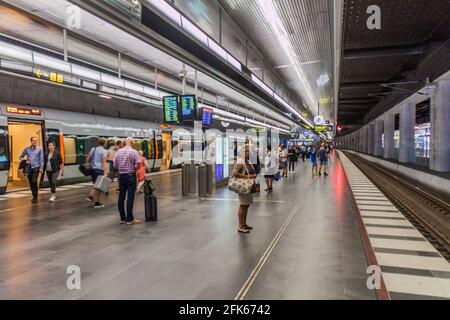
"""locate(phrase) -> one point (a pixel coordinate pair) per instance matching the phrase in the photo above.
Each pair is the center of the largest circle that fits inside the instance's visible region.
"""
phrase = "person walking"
(97, 157)
(126, 162)
(244, 169)
(140, 172)
(292, 157)
(313, 158)
(283, 161)
(54, 165)
(270, 168)
(110, 159)
(323, 157)
(34, 159)
(303, 152)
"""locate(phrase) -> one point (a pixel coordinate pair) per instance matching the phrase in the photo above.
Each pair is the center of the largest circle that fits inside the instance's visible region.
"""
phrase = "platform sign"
(171, 109)
(320, 128)
(207, 116)
(188, 107)
(23, 111)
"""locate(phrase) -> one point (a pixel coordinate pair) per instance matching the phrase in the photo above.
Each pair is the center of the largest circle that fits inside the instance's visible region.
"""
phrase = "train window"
(53, 136)
(89, 143)
(81, 157)
(151, 149)
(137, 144)
(3, 150)
(70, 150)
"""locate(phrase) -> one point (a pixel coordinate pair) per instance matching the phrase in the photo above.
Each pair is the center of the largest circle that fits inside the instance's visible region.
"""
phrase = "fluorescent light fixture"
(86, 73)
(262, 85)
(104, 96)
(52, 63)
(111, 80)
(217, 49)
(15, 66)
(134, 86)
(15, 53)
(194, 30)
(167, 9)
(231, 60)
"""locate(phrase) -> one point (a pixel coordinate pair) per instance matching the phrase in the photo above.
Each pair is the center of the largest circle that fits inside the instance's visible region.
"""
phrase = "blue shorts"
(95, 174)
(314, 163)
(323, 162)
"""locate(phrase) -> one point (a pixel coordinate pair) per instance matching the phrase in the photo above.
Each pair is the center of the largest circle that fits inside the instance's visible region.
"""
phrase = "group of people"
(125, 163)
(244, 169)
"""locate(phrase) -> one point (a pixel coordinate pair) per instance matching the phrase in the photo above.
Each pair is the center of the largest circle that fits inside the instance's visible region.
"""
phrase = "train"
(75, 133)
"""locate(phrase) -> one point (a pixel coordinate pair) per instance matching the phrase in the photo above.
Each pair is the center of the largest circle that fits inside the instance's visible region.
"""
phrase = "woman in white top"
(270, 168)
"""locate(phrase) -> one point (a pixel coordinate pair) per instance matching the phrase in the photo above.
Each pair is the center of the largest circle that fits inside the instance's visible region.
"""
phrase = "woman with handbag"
(53, 165)
(244, 175)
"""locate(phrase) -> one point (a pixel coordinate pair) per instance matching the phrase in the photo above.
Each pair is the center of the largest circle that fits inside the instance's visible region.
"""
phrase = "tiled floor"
(411, 267)
(193, 251)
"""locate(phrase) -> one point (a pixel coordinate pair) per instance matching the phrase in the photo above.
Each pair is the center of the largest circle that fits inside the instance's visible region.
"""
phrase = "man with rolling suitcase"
(126, 161)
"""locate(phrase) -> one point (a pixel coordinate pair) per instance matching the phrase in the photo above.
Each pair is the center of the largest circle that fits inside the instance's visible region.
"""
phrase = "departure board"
(207, 116)
(171, 111)
(188, 107)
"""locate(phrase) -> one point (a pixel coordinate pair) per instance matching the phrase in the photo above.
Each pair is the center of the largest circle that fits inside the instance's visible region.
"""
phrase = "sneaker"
(34, 200)
(90, 199)
(98, 205)
(52, 198)
(123, 221)
(320, 173)
(134, 221)
(325, 173)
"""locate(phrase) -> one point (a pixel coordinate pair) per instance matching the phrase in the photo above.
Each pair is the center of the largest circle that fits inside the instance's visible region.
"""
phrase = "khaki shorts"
(245, 199)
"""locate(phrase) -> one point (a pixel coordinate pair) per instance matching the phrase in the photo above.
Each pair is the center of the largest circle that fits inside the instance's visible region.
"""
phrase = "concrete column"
(370, 138)
(377, 138)
(361, 139)
(407, 152)
(440, 127)
(389, 124)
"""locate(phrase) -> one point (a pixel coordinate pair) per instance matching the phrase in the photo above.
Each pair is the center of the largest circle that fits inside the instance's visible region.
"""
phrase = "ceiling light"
(104, 96)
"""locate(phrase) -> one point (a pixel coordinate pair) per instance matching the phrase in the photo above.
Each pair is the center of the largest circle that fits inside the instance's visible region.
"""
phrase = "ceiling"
(296, 38)
(412, 31)
(93, 43)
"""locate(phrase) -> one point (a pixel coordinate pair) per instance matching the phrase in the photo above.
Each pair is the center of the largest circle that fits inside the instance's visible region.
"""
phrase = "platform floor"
(193, 251)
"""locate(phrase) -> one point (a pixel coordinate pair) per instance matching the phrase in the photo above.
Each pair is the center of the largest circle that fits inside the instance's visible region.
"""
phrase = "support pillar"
(440, 127)
(370, 138)
(407, 152)
(377, 150)
(389, 124)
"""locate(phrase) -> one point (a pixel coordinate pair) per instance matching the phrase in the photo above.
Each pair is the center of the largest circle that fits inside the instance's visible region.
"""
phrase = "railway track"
(429, 214)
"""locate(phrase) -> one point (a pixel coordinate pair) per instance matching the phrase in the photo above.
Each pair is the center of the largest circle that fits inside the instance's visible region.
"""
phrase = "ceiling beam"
(382, 52)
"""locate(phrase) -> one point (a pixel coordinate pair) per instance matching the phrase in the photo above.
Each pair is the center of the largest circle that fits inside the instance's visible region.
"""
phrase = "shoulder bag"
(241, 185)
(86, 168)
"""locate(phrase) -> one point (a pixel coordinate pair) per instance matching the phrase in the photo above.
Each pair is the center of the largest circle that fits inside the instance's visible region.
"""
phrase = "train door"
(151, 152)
(19, 133)
(167, 150)
(159, 150)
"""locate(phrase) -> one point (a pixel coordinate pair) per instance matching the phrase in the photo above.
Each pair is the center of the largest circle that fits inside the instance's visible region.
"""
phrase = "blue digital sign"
(188, 107)
(207, 116)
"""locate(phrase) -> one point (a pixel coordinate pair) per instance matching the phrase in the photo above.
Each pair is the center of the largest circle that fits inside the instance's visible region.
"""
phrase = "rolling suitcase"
(102, 183)
(151, 208)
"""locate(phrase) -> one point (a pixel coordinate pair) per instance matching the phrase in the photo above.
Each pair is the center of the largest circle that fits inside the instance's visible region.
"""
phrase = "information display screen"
(207, 116)
(188, 107)
(171, 110)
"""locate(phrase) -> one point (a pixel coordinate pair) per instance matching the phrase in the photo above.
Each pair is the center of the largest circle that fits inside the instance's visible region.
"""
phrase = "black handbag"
(86, 168)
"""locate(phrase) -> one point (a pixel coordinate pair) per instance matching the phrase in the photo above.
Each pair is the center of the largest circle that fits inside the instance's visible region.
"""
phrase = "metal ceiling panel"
(296, 38)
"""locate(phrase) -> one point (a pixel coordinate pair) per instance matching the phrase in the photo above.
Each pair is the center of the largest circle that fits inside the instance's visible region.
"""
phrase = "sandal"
(248, 227)
(243, 230)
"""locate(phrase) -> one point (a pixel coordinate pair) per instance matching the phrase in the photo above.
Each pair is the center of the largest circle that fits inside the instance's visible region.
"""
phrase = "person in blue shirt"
(313, 158)
(34, 157)
(97, 158)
